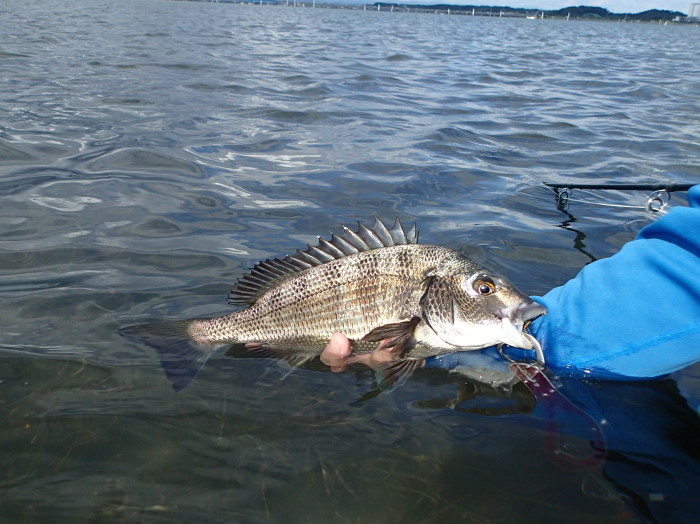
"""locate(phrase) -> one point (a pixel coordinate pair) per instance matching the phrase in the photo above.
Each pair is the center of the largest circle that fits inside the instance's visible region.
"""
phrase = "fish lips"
(521, 313)
(513, 319)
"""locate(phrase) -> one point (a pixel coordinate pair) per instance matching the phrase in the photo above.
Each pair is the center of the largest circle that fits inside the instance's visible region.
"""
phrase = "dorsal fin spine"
(266, 270)
(412, 235)
(299, 264)
(382, 232)
(320, 254)
(357, 241)
(397, 233)
(330, 248)
(370, 237)
(271, 272)
(255, 277)
(305, 256)
(343, 245)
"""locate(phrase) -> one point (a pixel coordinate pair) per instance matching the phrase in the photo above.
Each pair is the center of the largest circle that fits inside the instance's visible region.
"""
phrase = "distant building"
(694, 12)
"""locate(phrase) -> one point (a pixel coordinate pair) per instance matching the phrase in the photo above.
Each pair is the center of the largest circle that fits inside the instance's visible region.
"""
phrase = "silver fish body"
(366, 290)
(370, 284)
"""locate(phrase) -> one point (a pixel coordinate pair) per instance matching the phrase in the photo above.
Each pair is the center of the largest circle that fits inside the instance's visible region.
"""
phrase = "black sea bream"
(370, 284)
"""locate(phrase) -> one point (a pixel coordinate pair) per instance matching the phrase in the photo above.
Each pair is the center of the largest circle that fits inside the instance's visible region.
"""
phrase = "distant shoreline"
(567, 13)
(576, 12)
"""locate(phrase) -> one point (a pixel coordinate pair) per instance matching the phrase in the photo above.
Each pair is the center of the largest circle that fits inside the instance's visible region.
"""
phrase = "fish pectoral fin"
(395, 374)
(398, 336)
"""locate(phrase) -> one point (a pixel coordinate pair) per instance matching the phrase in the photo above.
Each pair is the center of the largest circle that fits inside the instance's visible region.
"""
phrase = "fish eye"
(484, 286)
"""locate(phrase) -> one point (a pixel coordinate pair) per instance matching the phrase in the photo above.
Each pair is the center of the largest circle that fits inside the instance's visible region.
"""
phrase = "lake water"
(151, 151)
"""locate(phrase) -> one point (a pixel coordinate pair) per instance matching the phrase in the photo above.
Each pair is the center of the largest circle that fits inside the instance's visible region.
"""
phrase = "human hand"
(338, 354)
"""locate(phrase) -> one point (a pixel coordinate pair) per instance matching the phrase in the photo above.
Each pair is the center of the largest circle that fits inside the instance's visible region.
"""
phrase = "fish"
(373, 284)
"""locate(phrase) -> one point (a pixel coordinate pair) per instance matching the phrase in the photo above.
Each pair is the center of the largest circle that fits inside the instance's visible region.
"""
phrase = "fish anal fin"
(296, 361)
(262, 350)
(398, 336)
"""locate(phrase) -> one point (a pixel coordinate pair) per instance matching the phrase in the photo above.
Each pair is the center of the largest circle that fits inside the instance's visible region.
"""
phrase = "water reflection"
(580, 237)
(634, 439)
(640, 436)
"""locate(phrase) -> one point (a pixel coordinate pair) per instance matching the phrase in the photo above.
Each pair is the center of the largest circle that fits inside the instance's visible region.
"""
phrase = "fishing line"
(656, 201)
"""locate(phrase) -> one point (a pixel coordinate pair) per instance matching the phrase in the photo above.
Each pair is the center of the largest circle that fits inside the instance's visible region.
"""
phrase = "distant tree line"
(602, 13)
(595, 13)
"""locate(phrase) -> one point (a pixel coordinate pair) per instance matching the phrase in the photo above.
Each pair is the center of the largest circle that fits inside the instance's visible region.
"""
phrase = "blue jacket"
(635, 314)
(632, 316)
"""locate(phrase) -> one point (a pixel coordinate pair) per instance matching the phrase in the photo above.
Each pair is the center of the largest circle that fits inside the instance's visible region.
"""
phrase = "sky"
(614, 6)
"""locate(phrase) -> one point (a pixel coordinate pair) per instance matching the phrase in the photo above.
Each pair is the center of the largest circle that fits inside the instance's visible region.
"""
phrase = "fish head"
(477, 310)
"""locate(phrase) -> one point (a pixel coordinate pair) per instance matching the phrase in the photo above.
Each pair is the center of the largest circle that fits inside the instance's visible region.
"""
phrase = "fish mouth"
(513, 321)
(521, 313)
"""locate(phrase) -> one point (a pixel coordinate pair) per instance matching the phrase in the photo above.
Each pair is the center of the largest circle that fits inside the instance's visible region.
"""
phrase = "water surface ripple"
(151, 151)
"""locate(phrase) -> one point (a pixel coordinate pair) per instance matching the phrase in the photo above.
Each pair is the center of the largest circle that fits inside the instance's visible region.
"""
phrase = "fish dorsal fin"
(270, 272)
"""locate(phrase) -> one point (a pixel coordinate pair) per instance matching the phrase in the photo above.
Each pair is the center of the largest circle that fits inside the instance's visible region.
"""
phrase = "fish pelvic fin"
(397, 337)
(181, 357)
(390, 376)
(268, 273)
(395, 374)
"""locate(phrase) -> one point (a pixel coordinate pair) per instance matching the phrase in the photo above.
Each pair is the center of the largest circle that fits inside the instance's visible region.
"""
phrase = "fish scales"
(352, 295)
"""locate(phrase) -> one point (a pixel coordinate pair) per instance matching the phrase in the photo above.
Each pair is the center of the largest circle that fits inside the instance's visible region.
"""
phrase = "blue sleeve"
(633, 315)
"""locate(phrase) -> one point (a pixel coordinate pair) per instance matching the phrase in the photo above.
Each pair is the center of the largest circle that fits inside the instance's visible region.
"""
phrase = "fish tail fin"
(181, 357)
